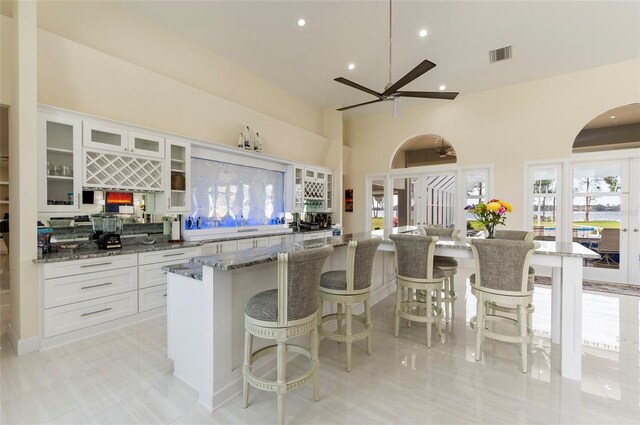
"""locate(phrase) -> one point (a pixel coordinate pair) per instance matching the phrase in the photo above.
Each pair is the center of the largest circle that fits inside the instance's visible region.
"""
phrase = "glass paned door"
(405, 201)
(439, 199)
(600, 216)
(376, 193)
(545, 207)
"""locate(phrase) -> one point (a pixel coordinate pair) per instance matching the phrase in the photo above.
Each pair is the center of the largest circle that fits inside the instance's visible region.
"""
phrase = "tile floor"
(124, 377)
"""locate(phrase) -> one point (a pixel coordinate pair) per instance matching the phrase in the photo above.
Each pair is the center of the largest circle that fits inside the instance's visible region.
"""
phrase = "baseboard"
(22, 346)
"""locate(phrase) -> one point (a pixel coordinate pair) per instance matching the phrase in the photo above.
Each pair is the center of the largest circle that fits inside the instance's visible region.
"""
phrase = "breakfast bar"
(207, 297)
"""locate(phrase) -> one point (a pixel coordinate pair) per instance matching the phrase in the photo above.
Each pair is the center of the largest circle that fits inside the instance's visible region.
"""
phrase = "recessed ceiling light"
(612, 116)
(422, 33)
(442, 87)
(302, 22)
(351, 66)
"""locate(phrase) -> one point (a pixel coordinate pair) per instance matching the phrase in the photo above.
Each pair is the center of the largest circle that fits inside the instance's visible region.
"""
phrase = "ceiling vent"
(500, 54)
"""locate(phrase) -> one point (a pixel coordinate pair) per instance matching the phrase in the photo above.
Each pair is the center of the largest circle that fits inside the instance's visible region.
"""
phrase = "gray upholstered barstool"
(448, 265)
(283, 313)
(416, 272)
(502, 279)
(348, 287)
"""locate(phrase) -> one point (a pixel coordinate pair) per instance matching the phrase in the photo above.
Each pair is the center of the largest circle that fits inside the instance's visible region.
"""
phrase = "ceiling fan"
(392, 91)
(445, 151)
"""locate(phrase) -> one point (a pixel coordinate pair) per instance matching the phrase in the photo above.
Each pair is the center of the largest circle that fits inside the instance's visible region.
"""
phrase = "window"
(545, 202)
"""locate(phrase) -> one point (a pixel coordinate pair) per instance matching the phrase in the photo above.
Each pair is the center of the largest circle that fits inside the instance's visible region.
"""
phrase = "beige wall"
(505, 127)
(120, 32)
(7, 59)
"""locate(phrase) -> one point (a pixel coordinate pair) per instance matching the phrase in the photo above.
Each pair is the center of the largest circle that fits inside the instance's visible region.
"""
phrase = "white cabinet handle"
(96, 312)
(95, 264)
(173, 255)
(95, 286)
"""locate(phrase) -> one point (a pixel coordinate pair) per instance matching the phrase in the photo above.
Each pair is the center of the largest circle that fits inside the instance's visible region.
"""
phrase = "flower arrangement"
(490, 214)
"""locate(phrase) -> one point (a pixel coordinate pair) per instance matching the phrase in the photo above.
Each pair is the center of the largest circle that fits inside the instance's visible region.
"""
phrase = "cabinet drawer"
(214, 248)
(280, 239)
(82, 287)
(152, 274)
(253, 243)
(90, 265)
(150, 298)
(173, 255)
(71, 317)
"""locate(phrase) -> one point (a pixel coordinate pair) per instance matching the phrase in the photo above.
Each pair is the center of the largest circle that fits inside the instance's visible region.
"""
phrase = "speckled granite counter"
(90, 249)
(190, 270)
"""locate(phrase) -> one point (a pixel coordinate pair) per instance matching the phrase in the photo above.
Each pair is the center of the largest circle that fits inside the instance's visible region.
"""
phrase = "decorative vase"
(490, 227)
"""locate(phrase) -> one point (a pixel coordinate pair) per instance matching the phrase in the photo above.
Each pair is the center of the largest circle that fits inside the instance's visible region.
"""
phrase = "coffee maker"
(107, 229)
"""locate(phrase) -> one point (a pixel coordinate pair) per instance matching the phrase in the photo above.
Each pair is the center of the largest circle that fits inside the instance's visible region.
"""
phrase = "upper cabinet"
(176, 198)
(313, 188)
(59, 163)
(329, 201)
(298, 189)
(105, 137)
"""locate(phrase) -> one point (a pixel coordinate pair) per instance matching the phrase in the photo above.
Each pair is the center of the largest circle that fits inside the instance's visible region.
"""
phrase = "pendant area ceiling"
(547, 38)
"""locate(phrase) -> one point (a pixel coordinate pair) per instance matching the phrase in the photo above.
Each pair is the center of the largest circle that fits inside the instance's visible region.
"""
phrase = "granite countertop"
(190, 270)
(255, 256)
(90, 249)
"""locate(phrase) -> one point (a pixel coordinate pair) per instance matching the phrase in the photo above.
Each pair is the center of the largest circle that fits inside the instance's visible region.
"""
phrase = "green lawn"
(379, 222)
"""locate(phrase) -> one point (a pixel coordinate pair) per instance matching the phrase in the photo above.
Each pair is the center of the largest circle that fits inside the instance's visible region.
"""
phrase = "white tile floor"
(124, 377)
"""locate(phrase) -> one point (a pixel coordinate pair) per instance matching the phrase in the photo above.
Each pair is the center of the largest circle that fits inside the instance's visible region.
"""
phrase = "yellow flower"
(507, 206)
(493, 206)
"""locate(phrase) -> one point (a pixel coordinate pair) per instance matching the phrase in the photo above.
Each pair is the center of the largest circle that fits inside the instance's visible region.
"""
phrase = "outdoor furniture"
(415, 271)
(448, 265)
(501, 278)
(348, 287)
(609, 245)
(289, 311)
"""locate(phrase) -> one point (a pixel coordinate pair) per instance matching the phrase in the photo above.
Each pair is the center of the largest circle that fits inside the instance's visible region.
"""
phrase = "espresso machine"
(107, 229)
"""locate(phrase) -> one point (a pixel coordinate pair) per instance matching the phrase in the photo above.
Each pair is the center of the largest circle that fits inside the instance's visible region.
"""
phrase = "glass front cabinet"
(329, 189)
(59, 163)
(298, 189)
(177, 177)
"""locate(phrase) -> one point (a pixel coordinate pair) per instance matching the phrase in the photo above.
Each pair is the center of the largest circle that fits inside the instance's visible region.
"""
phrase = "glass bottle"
(257, 145)
(247, 140)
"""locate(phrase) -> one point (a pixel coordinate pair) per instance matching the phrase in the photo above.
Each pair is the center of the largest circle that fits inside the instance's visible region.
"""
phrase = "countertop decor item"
(490, 214)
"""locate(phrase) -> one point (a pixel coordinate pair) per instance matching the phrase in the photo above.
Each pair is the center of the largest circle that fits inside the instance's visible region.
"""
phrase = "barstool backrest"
(441, 232)
(414, 256)
(299, 282)
(360, 255)
(502, 266)
(514, 235)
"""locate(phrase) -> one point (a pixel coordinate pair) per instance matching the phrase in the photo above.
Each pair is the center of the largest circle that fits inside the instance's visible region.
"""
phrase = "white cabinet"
(281, 239)
(298, 188)
(252, 243)
(329, 193)
(175, 197)
(112, 138)
(213, 248)
(150, 298)
(173, 256)
(59, 163)
(89, 265)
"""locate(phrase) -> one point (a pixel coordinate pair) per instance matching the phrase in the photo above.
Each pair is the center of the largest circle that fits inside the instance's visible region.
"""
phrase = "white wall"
(505, 127)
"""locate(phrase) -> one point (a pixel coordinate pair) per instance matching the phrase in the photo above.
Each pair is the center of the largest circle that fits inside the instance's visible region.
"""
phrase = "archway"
(617, 128)
(425, 149)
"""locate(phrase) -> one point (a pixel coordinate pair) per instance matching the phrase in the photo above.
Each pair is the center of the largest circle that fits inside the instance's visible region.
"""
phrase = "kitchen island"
(205, 310)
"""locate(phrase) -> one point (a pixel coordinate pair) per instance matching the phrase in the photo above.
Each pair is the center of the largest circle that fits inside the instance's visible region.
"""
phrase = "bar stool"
(502, 279)
(416, 272)
(349, 287)
(448, 265)
(283, 313)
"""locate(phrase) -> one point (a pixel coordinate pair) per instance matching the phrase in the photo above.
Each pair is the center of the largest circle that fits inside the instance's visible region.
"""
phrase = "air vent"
(500, 54)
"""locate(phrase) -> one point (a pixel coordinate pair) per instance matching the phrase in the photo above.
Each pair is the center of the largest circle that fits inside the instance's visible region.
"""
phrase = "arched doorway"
(605, 193)
(422, 150)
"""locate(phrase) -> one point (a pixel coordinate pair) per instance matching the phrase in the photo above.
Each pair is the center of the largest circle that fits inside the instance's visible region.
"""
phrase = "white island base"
(206, 321)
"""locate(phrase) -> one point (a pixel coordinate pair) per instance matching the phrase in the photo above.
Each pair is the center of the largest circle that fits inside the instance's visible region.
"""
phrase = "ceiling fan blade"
(422, 67)
(357, 86)
(447, 95)
(360, 104)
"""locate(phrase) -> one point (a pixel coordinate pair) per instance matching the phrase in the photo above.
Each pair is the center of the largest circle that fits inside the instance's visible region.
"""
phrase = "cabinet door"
(146, 144)
(246, 244)
(101, 136)
(59, 163)
(298, 189)
(329, 190)
(178, 176)
(228, 246)
(309, 174)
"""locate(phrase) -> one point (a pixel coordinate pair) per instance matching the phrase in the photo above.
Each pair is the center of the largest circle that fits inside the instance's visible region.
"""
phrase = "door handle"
(636, 230)
(624, 230)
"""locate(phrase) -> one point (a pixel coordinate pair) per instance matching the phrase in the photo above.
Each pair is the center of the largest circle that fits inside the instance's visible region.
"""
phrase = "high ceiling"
(548, 38)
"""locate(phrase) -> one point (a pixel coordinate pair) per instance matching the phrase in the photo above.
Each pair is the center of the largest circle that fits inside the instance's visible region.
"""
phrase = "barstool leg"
(439, 313)
(349, 335)
(480, 306)
(523, 334)
(282, 377)
(248, 348)
(411, 296)
(367, 321)
(339, 319)
(447, 299)
(399, 291)
(315, 363)
(429, 306)
(452, 295)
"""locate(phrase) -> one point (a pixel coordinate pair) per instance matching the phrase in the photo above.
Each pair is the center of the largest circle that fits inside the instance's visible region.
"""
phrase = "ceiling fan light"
(396, 107)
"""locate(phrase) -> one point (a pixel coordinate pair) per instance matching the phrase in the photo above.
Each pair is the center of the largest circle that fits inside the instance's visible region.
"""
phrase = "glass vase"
(490, 228)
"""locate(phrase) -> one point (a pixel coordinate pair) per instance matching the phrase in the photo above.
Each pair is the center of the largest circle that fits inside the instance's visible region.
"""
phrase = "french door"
(604, 216)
